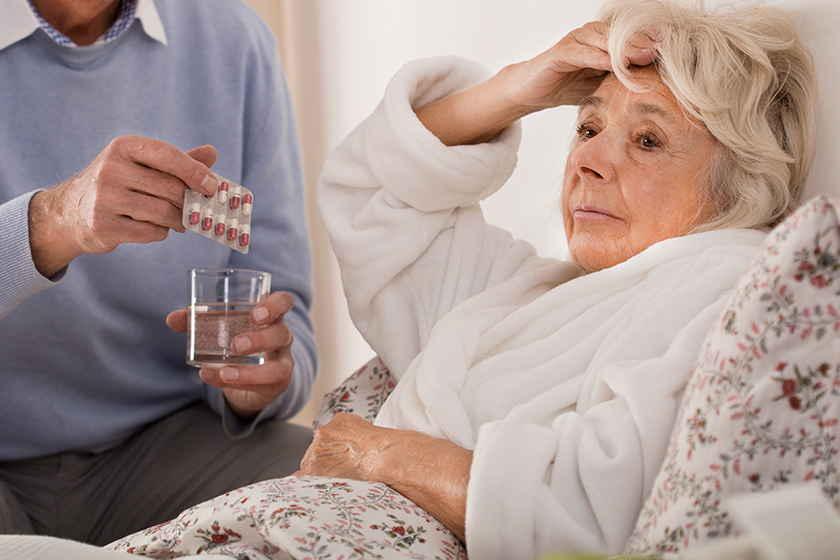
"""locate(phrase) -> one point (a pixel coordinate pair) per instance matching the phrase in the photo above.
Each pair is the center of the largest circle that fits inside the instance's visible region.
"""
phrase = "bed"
(761, 414)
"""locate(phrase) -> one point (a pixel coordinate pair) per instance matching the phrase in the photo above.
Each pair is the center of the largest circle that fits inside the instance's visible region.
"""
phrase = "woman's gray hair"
(743, 72)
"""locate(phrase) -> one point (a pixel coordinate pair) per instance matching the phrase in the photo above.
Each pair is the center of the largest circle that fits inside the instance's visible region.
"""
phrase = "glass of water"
(221, 300)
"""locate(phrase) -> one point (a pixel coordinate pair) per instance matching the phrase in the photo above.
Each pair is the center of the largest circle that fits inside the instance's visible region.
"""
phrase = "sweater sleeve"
(402, 213)
(19, 278)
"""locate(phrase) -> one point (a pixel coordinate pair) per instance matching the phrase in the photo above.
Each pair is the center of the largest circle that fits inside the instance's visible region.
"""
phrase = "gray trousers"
(171, 465)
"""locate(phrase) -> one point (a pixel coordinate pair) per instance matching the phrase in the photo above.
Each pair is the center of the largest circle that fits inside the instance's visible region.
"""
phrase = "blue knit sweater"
(87, 358)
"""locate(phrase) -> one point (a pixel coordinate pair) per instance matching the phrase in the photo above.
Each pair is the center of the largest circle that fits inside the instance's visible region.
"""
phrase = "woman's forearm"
(433, 473)
(473, 115)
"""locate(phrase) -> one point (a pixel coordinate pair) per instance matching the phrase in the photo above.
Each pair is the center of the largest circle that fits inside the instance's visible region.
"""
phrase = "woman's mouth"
(590, 212)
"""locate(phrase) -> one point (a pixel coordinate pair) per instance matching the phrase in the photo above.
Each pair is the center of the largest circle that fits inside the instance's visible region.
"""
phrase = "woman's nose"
(595, 158)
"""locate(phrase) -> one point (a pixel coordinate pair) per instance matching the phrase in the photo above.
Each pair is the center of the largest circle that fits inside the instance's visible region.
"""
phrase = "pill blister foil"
(224, 217)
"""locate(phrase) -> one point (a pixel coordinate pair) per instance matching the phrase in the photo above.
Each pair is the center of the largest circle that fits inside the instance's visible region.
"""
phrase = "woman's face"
(636, 173)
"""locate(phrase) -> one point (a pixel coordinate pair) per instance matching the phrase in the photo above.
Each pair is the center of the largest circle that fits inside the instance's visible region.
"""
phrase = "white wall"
(339, 56)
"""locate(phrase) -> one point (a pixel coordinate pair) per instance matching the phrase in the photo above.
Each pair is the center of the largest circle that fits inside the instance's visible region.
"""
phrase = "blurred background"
(340, 54)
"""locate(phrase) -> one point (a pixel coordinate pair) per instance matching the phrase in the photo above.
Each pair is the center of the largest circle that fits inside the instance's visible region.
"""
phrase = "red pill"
(232, 228)
(223, 192)
(245, 236)
(247, 202)
(220, 226)
(235, 198)
(195, 216)
(207, 219)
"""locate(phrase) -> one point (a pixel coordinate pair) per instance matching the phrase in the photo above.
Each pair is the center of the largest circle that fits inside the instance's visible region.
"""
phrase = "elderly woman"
(535, 397)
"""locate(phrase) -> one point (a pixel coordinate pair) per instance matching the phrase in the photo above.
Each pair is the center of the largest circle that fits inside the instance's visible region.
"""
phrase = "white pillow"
(819, 25)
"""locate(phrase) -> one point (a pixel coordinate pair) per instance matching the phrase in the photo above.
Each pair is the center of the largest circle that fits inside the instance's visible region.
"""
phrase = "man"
(109, 110)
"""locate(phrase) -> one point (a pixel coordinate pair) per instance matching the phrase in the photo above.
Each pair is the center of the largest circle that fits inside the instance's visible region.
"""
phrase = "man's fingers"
(272, 308)
(268, 377)
(269, 380)
(273, 337)
(178, 320)
(165, 157)
(141, 207)
(205, 154)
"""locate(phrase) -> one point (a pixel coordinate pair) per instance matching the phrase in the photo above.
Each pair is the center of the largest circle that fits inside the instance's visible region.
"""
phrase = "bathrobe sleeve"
(402, 214)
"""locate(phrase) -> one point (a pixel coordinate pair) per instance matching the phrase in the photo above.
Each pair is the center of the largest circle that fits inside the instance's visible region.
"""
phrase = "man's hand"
(132, 192)
(249, 389)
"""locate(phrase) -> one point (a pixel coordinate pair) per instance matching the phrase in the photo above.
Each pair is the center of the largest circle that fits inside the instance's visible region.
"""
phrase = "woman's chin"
(592, 253)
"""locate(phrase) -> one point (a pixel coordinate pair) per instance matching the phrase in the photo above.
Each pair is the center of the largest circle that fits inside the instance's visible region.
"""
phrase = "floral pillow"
(363, 393)
(762, 408)
(300, 518)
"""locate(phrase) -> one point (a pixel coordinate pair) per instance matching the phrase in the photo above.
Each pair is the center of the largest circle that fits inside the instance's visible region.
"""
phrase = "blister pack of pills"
(224, 217)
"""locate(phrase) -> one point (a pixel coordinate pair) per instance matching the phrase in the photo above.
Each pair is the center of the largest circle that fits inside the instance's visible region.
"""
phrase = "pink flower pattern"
(762, 407)
(306, 518)
(363, 393)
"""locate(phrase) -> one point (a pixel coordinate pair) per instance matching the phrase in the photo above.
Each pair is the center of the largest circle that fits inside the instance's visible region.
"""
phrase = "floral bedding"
(362, 393)
(301, 518)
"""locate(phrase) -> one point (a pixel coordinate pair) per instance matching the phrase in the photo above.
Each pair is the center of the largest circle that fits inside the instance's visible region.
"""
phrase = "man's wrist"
(51, 250)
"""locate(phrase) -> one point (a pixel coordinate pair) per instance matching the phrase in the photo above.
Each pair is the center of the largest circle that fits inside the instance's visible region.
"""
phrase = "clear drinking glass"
(221, 300)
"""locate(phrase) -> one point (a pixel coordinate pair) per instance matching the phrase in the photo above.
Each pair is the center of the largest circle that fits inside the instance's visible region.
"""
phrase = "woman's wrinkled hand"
(249, 389)
(432, 472)
(573, 68)
(349, 447)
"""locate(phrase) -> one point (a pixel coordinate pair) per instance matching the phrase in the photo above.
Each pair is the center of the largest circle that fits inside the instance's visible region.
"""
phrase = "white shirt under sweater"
(565, 385)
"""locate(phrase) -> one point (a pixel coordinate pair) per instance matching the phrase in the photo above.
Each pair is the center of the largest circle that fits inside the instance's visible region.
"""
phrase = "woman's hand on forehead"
(574, 67)
(565, 74)
(640, 50)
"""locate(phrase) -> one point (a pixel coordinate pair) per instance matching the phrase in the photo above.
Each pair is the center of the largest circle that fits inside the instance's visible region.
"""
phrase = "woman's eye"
(647, 141)
(585, 132)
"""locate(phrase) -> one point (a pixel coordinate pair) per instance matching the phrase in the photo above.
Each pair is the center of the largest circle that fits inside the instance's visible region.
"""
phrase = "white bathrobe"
(565, 385)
